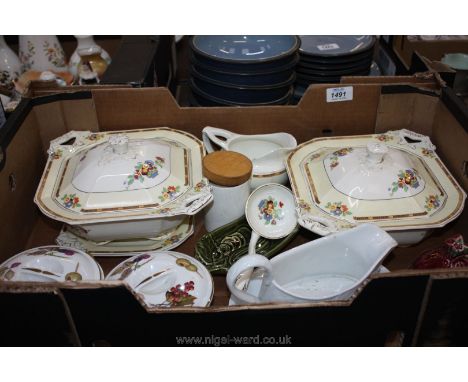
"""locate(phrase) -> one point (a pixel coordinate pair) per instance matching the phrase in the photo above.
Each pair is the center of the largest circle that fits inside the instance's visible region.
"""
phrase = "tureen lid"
(365, 172)
(122, 165)
(93, 177)
(166, 279)
(395, 180)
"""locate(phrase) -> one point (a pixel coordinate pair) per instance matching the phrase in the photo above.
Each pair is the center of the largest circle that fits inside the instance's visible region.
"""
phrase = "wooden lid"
(227, 168)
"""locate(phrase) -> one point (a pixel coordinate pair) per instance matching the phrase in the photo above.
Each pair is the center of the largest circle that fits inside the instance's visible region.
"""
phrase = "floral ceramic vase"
(91, 66)
(85, 42)
(10, 65)
(42, 53)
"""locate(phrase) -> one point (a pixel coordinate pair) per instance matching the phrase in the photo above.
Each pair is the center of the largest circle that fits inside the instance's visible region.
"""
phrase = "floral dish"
(124, 184)
(395, 180)
(166, 279)
(50, 264)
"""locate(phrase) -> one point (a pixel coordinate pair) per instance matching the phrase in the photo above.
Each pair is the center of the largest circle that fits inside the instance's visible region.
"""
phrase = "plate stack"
(324, 59)
(243, 70)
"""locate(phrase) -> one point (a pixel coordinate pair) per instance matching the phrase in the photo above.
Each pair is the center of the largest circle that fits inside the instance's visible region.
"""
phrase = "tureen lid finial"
(119, 143)
(376, 152)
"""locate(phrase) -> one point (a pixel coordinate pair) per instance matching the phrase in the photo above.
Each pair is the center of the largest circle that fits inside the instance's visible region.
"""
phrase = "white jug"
(266, 151)
(329, 268)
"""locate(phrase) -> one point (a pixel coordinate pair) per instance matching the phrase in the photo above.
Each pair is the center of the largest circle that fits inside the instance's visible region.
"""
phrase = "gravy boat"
(329, 268)
(266, 151)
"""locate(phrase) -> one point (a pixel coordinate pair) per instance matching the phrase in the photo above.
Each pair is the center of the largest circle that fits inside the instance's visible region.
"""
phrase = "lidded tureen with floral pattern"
(395, 180)
(124, 184)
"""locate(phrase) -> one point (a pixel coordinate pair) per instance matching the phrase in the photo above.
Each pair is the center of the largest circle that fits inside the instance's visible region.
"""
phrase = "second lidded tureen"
(394, 180)
(123, 184)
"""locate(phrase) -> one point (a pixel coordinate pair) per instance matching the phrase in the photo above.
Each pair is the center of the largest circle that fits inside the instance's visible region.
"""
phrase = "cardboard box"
(403, 304)
(405, 49)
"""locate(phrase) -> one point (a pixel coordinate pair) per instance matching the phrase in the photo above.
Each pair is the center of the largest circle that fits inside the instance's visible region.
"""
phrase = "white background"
(380, 17)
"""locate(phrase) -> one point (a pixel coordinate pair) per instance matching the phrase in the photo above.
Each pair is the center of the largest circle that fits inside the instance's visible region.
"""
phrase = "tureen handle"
(59, 143)
(422, 141)
(212, 133)
(195, 203)
(317, 224)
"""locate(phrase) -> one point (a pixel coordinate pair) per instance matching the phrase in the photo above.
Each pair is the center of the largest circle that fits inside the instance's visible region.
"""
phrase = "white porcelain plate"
(166, 279)
(117, 248)
(49, 263)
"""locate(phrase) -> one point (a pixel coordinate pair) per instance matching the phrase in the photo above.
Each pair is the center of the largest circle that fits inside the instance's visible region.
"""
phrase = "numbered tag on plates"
(328, 46)
(340, 94)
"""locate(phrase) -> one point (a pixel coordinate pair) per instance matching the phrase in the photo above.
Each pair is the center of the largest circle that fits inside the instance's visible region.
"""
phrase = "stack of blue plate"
(243, 70)
(325, 59)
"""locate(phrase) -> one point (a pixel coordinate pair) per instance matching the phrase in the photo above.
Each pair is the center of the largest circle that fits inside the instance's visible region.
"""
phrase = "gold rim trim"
(314, 190)
(358, 218)
(269, 174)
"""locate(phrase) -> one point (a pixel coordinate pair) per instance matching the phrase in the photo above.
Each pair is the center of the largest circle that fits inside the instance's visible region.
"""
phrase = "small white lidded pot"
(229, 174)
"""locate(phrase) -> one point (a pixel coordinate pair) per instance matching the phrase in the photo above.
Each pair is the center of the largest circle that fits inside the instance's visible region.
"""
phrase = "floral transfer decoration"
(427, 153)
(270, 210)
(199, 186)
(174, 239)
(130, 266)
(57, 154)
(71, 201)
(179, 295)
(334, 159)
(169, 193)
(7, 273)
(314, 156)
(148, 169)
(406, 179)
(25, 57)
(384, 138)
(432, 202)
(338, 209)
(95, 136)
(163, 211)
(303, 205)
(54, 54)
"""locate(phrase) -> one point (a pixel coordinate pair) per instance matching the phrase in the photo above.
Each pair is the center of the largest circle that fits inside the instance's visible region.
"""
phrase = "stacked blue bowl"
(243, 70)
(325, 59)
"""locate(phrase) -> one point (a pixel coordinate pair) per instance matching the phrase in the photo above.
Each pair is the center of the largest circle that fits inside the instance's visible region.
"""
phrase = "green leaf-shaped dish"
(221, 248)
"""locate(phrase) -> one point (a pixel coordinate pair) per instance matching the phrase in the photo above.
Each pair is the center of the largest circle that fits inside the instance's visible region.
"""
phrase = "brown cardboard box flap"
(394, 301)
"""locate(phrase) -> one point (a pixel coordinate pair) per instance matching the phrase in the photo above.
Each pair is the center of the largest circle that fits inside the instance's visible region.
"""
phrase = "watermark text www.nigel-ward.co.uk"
(234, 340)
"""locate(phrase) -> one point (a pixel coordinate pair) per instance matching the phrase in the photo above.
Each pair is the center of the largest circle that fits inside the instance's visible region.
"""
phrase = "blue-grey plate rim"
(203, 94)
(291, 65)
(289, 81)
(291, 50)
